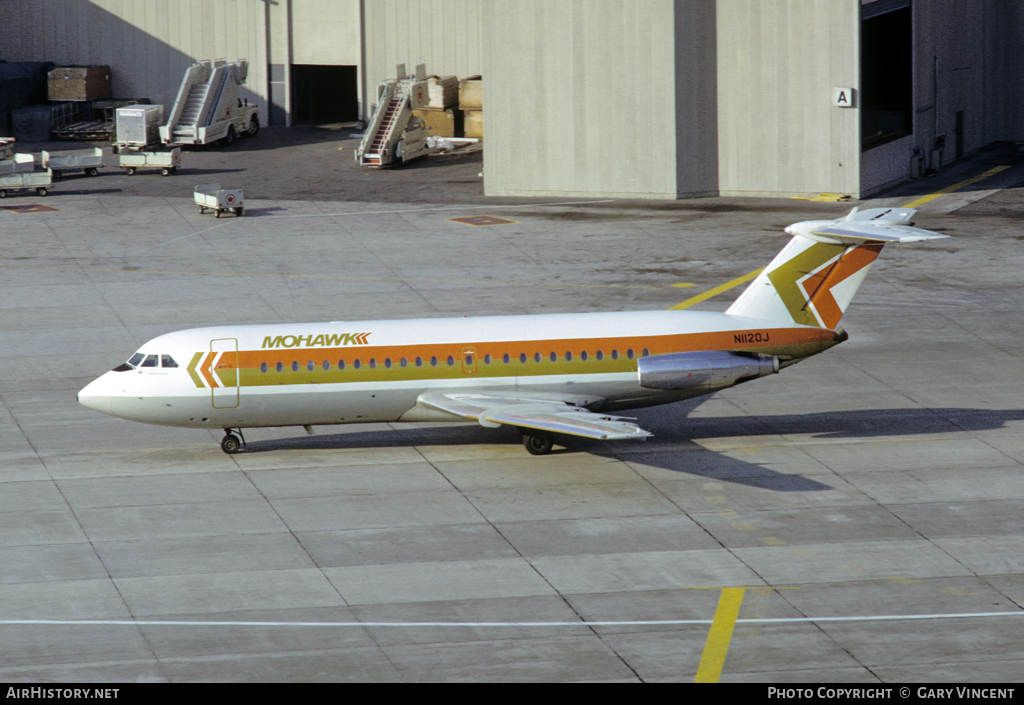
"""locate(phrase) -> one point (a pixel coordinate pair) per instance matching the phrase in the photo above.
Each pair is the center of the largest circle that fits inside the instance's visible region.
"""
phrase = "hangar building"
(620, 98)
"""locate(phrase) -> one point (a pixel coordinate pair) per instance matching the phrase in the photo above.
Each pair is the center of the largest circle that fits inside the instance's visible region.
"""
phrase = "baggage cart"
(89, 162)
(19, 180)
(166, 162)
(213, 197)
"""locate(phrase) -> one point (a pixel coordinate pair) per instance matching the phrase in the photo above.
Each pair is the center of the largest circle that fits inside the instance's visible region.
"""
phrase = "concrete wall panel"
(778, 61)
(326, 32)
(442, 34)
(580, 98)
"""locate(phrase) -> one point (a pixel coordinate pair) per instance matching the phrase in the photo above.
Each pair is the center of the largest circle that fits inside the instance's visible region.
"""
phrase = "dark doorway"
(886, 62)
(322, 95)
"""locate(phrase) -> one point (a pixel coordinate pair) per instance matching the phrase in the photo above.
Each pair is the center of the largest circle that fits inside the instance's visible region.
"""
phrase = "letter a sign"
(842, 97)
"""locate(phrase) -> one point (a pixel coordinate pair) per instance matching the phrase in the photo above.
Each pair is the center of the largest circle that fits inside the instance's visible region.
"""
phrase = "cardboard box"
(471, 93)
(474, 123)
(79, 83)
(444, 92)
(441, 123)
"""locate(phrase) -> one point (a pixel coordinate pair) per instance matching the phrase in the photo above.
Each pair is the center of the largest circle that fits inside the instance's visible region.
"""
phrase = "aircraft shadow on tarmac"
(674, 447)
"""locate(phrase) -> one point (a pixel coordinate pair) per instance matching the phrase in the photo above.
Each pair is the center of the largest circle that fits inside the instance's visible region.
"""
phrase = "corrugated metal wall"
(580, 98)
(148, 45)
(442, 34)
(778, 132)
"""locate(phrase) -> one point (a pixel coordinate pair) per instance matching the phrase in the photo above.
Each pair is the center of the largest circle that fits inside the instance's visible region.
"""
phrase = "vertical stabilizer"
(813, 280)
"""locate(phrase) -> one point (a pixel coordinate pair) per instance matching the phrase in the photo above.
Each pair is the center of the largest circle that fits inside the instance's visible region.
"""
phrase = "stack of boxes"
(455, 107)
(471, 101)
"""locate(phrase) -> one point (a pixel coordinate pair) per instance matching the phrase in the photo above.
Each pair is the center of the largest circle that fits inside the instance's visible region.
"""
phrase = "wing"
(543, 412)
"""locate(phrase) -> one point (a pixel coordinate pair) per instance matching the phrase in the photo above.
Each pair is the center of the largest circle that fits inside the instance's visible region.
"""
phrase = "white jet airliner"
(543, 374)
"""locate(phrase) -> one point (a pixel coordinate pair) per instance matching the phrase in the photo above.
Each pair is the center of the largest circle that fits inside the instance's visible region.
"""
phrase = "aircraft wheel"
(538, 443)
(230, 444)
(42, 191)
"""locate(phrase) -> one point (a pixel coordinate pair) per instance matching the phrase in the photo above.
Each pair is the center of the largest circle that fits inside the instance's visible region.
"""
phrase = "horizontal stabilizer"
(880, 233)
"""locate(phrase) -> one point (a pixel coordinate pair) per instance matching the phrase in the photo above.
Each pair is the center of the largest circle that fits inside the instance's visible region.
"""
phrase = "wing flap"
(540, 412)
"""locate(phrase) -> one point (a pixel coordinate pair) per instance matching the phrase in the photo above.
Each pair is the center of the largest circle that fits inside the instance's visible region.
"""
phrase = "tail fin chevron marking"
(813, 279)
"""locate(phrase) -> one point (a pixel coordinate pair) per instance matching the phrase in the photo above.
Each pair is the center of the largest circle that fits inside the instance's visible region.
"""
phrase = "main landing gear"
(230, 444)
(537, 442)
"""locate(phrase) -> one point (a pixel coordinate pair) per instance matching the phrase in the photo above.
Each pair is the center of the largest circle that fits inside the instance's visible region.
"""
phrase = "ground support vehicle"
(213, 197)
(167, 162)
(89, 162)
(209, 107)
(18, 180)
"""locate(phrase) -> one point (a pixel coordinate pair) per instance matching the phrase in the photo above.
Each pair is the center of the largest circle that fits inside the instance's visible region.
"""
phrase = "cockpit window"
(136, 359)
(167, 361)
(150, 361)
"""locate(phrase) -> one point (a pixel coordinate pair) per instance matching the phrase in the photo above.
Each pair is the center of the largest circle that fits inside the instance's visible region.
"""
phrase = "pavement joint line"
(326, 276)
(439, 208)
(950, 189)
(623, 623)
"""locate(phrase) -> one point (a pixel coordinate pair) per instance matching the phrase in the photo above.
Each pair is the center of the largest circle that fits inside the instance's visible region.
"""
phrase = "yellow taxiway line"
(955, 187)
(717, 646)
(716, 291)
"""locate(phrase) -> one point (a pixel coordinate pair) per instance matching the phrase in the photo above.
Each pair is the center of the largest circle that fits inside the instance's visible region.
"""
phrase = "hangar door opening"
(323, 95)
(886, 59)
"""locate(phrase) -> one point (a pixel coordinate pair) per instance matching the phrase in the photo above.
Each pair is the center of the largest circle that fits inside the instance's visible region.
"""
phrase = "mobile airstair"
(394, 136)
(208, 107)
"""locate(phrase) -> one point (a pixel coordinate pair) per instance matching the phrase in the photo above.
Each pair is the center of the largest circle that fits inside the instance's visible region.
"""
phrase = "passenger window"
(433, 361)
(505, 358)
(600, 355)
(387, 362)
(646, 352)
(629, 353)
(150, 361)
(419, 362)
(554, 357)
(487, 359)
(341, 364)
(310, 365)
(568, 357)
(522, 358)
(584, 356)
(536, 357)
(280, 366)
(295, 366)
(373, 363)
(403, 362)
(357, 364)
(451, 361)
(167, 361)
(615, 354)
(327, 365)
(263, 367)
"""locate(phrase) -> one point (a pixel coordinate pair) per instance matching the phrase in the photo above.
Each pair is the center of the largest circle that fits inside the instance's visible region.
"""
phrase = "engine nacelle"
(704, 371)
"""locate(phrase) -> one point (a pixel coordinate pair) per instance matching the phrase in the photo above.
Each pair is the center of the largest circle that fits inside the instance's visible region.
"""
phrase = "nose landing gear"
(230, 443)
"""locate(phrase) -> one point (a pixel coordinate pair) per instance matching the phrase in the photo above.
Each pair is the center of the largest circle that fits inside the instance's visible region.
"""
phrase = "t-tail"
(814, 278)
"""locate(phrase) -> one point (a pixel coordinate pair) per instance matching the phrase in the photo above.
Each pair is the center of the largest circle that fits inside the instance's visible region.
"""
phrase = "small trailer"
(90, 162)
(167, 162)
(19, 180)
(212, 197)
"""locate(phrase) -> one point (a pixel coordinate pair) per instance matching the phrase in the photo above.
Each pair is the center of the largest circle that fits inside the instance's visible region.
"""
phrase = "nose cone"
(96, 395)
